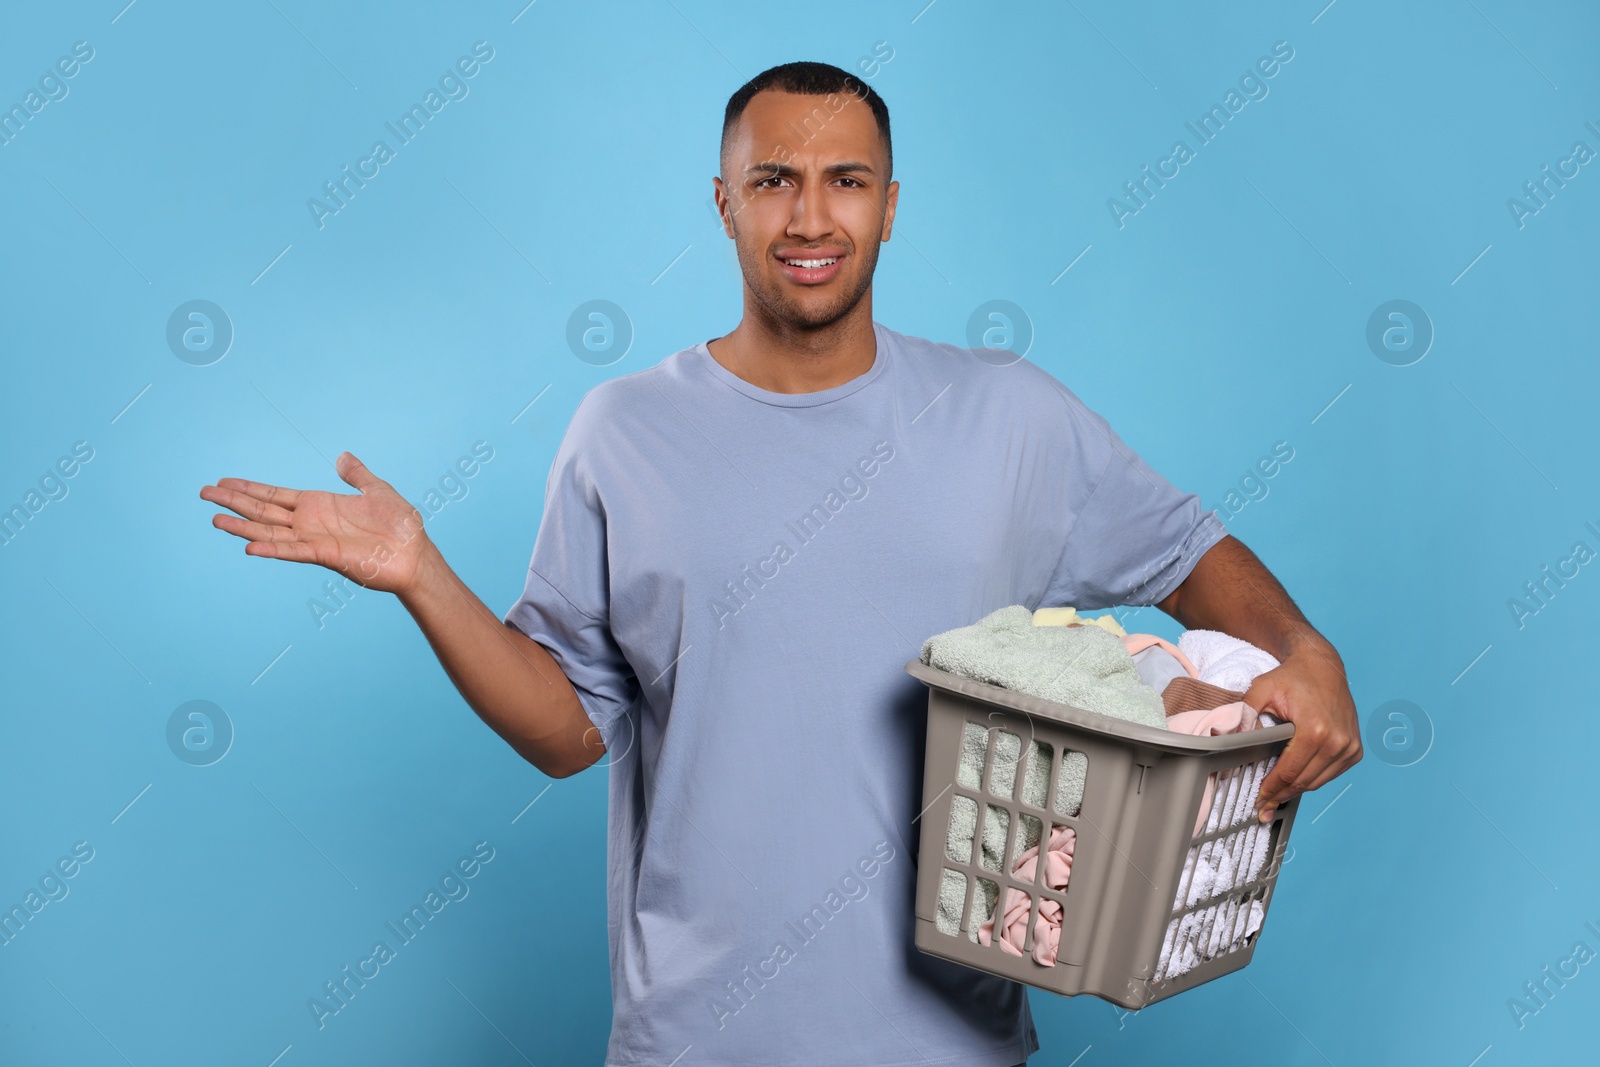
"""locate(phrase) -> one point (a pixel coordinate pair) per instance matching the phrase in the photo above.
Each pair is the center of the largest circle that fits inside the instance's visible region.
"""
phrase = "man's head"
(806, 176)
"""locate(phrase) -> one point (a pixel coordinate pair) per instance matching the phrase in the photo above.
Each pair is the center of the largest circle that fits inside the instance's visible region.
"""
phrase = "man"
(740, 549)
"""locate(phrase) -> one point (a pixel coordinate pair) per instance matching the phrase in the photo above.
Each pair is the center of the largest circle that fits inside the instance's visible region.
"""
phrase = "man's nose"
(811, 218)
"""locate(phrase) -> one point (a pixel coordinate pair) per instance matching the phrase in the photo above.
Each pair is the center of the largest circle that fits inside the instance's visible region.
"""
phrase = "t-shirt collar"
(799, 400)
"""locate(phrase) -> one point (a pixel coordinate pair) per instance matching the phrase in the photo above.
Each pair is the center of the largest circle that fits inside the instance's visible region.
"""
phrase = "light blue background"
(1222, 318)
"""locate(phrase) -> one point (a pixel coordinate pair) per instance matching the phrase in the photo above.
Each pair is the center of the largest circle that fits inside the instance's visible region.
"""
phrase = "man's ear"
(725, 206)
(888, 210)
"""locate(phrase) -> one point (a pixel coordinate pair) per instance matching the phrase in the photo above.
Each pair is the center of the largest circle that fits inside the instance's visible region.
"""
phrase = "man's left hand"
(1308, 689)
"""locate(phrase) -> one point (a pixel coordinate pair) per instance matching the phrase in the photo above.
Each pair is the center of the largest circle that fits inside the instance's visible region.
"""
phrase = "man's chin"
(815, 313)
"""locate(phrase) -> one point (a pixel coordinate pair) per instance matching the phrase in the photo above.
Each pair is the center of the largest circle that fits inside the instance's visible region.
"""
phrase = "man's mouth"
(810, 269)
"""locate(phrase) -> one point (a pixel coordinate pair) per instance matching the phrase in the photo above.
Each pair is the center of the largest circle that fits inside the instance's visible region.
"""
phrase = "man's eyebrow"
(772, 168)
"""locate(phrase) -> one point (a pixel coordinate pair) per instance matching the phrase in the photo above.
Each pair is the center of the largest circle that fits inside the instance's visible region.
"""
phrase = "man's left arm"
(1230, 590)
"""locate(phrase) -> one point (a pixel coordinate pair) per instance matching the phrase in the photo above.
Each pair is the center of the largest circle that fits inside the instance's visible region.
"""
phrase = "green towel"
(1079, 665)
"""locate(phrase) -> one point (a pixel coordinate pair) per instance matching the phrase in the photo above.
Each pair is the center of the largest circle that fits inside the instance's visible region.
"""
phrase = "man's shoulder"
(996, 371)
(635, 391)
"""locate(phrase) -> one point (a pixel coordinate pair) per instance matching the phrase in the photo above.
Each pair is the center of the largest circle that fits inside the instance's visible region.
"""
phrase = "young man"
(740, 549)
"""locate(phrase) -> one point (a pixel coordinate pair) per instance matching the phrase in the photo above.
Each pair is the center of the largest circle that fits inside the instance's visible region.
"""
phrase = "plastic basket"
(1137, 923)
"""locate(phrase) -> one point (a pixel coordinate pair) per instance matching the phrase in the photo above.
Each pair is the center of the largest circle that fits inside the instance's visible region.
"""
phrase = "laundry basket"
(1151, 907)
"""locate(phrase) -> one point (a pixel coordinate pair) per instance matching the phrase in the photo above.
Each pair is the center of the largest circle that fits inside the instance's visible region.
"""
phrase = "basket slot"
(953, 885)
(996, 823)
(1186, 878)
(982, 906)
(974, 750)
(1218, 920)
(1036, 774)
(1072, 779)
(1000, 777)
(987, 779)
(963, 812)
(1030, 931)
(1245, 788)
(1029, 832)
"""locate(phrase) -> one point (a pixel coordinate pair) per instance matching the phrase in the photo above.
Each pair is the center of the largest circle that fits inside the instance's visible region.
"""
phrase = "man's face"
(804, 180)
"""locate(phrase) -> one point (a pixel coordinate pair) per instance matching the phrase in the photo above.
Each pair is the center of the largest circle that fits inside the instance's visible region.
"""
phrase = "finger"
(252, 531)
(293, 551)
(355, 473)
(1293, 760)
(1323, 766)
(248, 506)
(1340, 760)
(1317, 773)
(1263, 695)
(272, 494)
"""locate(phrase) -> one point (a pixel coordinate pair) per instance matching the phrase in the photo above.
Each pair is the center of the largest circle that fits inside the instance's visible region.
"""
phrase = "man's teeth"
(811, 264)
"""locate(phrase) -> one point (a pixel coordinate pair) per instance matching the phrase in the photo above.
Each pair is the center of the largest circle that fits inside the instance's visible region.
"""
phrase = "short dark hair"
(809, 79)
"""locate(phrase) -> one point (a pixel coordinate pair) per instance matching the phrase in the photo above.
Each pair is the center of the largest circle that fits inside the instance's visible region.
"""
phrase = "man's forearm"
(1232, 591)
(510, 680)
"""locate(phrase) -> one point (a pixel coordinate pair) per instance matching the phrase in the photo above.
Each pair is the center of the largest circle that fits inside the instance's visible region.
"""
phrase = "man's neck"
(783, 359)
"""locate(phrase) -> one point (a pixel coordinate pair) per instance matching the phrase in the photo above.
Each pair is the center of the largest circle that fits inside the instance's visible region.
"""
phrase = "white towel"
(1183, 956)
(1217, 867)
(1223, 660)
(1206, 934)
(1166, 949)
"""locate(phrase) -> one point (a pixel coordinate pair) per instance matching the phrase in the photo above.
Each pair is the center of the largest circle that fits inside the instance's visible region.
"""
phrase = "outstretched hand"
(1308, 689)
(373, 537)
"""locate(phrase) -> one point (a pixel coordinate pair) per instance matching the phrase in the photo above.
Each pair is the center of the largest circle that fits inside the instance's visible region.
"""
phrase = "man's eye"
(850, 180)
(764, 181)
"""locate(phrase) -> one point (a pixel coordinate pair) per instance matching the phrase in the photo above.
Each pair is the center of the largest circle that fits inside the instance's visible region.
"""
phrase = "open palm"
(374, 537)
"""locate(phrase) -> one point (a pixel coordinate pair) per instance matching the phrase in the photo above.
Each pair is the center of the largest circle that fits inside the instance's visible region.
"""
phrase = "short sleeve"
(565, 604)
(1133, 536)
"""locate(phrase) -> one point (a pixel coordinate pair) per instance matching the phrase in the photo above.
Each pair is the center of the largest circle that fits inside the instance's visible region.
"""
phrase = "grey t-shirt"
(733, 579)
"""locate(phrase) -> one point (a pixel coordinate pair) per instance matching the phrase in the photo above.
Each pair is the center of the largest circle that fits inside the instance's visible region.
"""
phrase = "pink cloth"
(1137, 643)
(1229, 719)
(1014, 916)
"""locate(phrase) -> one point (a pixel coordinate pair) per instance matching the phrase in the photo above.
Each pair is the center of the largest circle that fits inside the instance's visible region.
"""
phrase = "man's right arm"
(376, 539)
(509, 679)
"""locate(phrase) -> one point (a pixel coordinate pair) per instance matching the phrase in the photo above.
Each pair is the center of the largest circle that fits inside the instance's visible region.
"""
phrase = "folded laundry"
(1083, 666)
(1224, 660)
(1014, 915)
